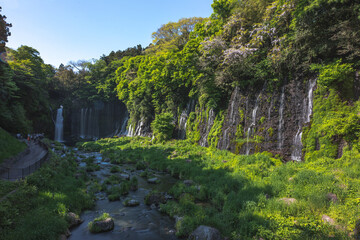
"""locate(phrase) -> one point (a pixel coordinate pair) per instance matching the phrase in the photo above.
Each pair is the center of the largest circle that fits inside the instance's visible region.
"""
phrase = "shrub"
(163, 127)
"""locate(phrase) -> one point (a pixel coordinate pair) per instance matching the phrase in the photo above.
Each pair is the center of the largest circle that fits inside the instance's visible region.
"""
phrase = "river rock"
(155, 198)
(288, 201)
(73, 219)
(327, 219)
(125, 176)
(205, 233)
(188, 182)
(102, 226)
(153, 180)
(131, 203)
(331, 197)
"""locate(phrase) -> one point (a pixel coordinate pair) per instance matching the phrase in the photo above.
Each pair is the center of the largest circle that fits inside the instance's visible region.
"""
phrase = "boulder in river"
(131, 203)
(73, 219)
(155, 198)
(102, 224)
(205, 233)
(125, 176)
(153, 180)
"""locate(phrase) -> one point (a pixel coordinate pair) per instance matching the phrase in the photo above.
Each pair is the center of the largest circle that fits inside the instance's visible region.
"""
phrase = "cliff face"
(101, 119)
(253, 122)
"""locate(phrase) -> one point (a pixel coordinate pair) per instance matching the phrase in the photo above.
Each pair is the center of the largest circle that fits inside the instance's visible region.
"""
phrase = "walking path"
(34, 153)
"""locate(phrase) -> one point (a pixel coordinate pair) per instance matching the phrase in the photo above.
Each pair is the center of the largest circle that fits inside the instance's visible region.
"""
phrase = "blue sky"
(71, 30)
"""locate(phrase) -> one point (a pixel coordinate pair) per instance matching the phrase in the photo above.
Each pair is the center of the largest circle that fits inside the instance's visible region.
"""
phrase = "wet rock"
(62, 237)
(327, 219)
(155, 198)
(131, 203)
(153, 180)
(205, 233)
(102, 226)
(67, 233)
(288, 201)
(73, 219)
(125, 176)
(188, 182)
(331, 197)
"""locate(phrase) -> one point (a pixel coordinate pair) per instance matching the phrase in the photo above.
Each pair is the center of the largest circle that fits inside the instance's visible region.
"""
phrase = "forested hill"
(248, 78)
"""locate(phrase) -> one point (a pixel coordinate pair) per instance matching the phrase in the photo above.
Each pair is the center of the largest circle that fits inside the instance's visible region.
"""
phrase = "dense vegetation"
(249, 196)
(9, 146)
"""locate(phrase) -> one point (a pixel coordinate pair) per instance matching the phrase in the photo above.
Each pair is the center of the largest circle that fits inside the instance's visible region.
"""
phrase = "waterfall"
(130, 131)
(82, 123)
(306, 114)
(310, 97)
(252, 124)
(59, 125)
(281, 119)
(123, 130)
(209, 124)
(182, 125)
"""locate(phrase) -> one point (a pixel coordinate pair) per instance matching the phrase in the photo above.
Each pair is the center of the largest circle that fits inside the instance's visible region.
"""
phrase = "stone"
(131, 203)
(67, 233)
(102, 226)
(288, 201)
(205, 233)
(178, 219)
(327, 219)
(188, 182)
(155, 198)
(331, 197)
(62, 237)
(73, 219)
(125, 176)
(153, 180)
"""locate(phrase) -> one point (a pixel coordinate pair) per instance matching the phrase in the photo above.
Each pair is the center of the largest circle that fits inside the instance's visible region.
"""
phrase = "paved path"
(34, 154)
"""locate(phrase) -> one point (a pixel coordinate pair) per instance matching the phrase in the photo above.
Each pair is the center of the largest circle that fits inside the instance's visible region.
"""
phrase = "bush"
(163, 127)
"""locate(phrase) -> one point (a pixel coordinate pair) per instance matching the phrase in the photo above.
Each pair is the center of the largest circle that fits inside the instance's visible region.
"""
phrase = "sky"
(71, 30)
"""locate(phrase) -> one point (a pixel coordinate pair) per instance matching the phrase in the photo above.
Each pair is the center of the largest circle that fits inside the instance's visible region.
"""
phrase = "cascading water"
(210, 122)
(281, 119)
(182, 125)
(59, 125)
(252, 124)
(307, 111)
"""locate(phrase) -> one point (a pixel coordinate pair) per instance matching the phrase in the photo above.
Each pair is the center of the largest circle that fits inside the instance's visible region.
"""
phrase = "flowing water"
(140, 222)
(281, 119)
(59, 125)
(252, 124)
(305, 118)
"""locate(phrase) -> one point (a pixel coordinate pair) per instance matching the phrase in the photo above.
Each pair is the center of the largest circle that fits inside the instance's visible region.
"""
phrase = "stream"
(140, 222)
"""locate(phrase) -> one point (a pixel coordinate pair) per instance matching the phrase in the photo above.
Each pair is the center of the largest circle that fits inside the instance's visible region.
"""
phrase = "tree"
(173, 35)
(4, 31)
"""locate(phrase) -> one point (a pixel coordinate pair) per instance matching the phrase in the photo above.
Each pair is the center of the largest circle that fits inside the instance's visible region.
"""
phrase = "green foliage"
(9, 146)
(241, 195)
(162, 127)
(338, 76)
(215, 131)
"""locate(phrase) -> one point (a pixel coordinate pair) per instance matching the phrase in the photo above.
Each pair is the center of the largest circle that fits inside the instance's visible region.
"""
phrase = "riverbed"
(140, 222)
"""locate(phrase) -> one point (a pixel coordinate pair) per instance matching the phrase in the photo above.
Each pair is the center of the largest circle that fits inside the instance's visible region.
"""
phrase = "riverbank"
(248, 196)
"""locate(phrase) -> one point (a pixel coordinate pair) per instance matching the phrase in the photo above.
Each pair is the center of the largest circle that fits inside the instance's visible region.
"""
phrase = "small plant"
(133, 184)
(115, 169)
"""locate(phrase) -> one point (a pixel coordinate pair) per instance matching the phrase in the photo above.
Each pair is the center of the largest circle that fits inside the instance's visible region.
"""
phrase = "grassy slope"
(9, 146)
(240, 195)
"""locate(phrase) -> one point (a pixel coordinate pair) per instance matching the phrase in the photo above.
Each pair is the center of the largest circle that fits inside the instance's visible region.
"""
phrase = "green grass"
(240, 195)
(9, 146)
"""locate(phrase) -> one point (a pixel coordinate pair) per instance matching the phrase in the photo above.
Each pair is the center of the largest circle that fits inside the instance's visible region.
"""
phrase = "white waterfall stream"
(252, 124)
(281, 119)
(59, 125)
(307, 111)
